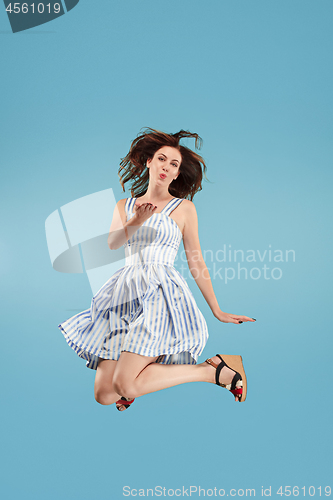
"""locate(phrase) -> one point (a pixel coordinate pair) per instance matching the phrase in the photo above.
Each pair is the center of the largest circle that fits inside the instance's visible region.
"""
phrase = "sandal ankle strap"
(218, 369)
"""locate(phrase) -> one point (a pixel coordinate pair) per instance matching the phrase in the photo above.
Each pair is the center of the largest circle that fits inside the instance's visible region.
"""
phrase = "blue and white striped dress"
(146, 307)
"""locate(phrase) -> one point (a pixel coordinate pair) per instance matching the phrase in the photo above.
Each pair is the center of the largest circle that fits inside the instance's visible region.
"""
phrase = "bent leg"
(137, 375)
(128, 368)
(104, 390)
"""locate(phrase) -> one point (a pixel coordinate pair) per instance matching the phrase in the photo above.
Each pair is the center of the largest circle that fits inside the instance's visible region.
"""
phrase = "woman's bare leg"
(134, 376)
(104, 391)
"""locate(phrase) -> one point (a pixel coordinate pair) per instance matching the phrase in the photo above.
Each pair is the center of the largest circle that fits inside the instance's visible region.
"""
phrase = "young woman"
(144, 331)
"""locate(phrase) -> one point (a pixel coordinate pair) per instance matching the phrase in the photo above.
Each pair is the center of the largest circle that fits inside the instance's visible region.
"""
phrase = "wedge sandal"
(238, 386)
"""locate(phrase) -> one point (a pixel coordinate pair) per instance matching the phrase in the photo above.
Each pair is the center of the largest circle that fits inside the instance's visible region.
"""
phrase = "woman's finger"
(233, 320)
(242, 318)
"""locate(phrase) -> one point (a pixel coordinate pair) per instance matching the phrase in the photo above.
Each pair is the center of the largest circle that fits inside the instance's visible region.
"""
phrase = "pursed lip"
(162, 176)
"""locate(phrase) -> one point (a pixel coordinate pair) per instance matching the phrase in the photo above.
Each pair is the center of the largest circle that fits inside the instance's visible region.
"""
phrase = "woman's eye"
(161, 158)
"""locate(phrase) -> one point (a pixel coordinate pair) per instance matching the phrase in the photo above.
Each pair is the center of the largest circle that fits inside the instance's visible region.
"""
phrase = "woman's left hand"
(232, 318)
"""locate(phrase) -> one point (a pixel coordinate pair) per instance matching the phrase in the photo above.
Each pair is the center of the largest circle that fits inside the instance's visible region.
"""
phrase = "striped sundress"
(146, 307)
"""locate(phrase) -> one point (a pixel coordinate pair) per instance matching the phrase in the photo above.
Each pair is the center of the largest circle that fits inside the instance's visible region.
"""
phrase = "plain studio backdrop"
(253, 78)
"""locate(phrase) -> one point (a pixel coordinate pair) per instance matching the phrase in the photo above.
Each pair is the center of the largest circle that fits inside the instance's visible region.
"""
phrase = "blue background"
(254, 79)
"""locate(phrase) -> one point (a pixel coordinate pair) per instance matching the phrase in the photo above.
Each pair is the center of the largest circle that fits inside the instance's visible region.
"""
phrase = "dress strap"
(129, 207)
(171, 206)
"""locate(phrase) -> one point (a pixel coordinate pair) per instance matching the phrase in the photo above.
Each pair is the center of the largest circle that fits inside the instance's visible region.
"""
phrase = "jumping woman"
(144, 331)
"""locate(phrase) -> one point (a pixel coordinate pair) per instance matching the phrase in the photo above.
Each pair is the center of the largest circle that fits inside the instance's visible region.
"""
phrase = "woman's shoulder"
(122, 202)
(188, 211)
(122, 208)
(188, 206)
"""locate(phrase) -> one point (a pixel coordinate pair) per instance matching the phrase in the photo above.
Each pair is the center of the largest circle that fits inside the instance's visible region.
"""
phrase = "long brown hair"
(133, 166)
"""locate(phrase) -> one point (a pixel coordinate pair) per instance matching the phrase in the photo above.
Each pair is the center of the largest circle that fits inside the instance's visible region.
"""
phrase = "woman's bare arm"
(198, 267)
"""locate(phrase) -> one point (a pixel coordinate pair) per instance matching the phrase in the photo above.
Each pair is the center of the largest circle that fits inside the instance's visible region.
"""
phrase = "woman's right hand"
(232, 318)
(143, 212)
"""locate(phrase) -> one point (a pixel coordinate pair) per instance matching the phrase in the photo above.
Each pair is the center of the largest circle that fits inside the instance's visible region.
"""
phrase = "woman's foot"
(124, 403)
(221, 372)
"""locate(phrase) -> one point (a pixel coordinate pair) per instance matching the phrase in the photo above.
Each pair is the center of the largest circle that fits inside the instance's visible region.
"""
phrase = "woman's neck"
(156, 193)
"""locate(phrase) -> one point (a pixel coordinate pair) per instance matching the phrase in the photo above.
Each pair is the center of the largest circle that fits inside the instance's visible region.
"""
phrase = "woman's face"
(164, 166)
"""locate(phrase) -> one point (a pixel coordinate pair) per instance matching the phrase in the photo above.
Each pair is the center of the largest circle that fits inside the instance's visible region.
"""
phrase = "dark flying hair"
(133, 166)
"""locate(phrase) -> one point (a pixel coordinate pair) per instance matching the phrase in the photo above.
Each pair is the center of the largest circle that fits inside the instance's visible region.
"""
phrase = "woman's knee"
(123, 386)
(104, 396)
